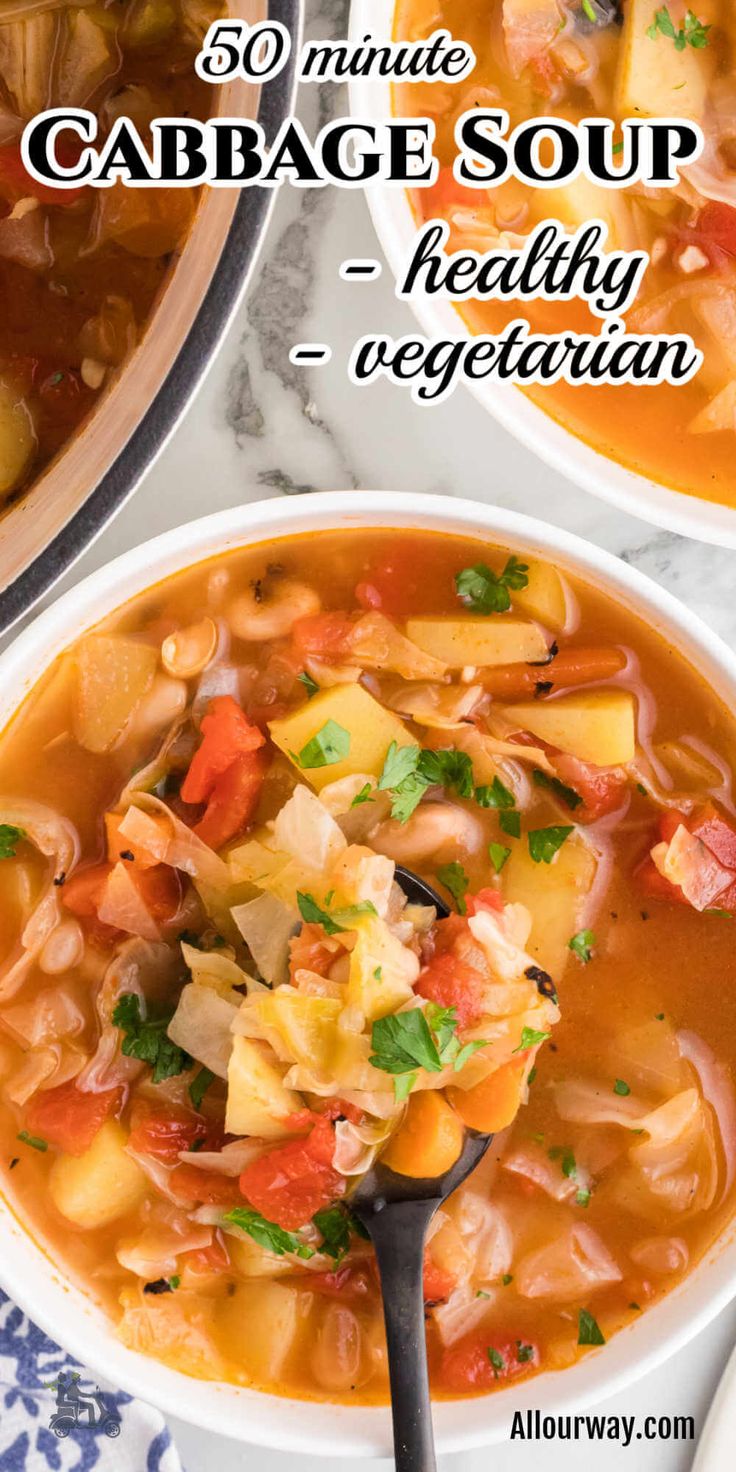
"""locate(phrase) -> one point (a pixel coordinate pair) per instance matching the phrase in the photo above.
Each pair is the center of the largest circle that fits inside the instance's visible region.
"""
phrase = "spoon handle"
(398, 1233)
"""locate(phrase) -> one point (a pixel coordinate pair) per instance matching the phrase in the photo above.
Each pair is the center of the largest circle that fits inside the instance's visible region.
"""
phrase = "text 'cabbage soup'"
(217, 1008)
(81, 269)
(616, 59)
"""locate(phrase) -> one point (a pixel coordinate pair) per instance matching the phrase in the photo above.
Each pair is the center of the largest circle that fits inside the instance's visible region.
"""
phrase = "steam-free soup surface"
(81, 269)
(608, 59)
(216, 1008)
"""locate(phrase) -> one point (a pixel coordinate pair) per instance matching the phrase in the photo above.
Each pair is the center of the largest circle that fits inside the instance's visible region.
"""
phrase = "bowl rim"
(628, 490)
(27, 1272)
(228, 281)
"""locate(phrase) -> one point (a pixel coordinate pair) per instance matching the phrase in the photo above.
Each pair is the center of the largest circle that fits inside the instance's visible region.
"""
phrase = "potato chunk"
(478, 641)
(259, 1327)
(655, 79)
(555, 895)
(99, 1186)
(598, 726)
(17, 436)
(113, 674)
(544, 596)
(371, 729)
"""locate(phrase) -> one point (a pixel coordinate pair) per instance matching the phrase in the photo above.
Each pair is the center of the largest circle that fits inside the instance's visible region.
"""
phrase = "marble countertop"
(263, 428)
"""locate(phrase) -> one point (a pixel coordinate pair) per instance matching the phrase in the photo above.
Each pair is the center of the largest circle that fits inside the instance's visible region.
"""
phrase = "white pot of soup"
(217, 1009)
(666, 453)
(112, 301)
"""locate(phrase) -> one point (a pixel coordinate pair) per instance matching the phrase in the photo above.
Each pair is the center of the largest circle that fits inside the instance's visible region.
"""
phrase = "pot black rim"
(229, 280)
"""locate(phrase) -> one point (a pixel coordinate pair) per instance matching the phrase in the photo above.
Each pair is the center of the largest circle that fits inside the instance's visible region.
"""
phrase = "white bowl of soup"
(216, 1008)
(665, 453)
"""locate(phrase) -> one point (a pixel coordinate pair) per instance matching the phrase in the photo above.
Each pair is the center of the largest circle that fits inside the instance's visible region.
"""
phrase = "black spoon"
(396, 1211)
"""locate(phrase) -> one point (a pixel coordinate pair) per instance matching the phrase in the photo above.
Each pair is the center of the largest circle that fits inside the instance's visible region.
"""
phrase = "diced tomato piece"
(290, 1183)
(312, 950)
(603, 789)
(227, 734)
(438, 1283)
(485, 899)
(324, 635)
(450, 982)
(205, 1186)
(69, 1118)
(655, 886)
(82, 895)
(301, 1123)
(159, 888)
(544, 75)
(715, 230)
(446, 192)
(233, 800)
(164, 1135)
(479, 1361)
(161, 891)
(16, 182)
(715, 831)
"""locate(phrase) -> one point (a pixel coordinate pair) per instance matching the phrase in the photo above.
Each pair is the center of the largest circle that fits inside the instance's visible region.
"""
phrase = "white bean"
(63, 950)
(263, 612)
(435, 831)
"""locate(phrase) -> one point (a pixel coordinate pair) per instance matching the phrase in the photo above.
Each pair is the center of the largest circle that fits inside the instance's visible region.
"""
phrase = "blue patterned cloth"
(55, 1416)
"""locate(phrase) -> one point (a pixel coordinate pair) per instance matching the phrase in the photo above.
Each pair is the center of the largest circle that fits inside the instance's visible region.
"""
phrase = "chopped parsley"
(588, 11)
(560, 790)
(498, 855)
(409, 770)
(524, 1352)
(378, 974)
(582, 1196)
(267, 1234)
(544, 843)
(174, 1282)
(496, 1359)
(336, 1225)
(365, 795)
(692, 33)
(531, 1078)
(530, 1037)
(482, 1294)
(329, 745)
(495, 796)
(333, 921)
(146, 1039)
(35, 1141)
(199, 1086)
(484, 591)
(506, 1279)
(310, 685)
(406, 1041)
(510, 821)
(582, 944)
(454, 878)
(10, 836)
(621, 1088)
(588, 1330)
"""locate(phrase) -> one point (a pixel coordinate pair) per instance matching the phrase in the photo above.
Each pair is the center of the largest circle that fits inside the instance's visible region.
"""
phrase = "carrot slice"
(429, 1140)
(569, 668)
(493, 1104)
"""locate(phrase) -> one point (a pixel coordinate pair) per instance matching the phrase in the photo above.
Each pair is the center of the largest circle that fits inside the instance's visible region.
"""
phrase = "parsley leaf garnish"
(510, 822)
(403, 1042)
(199, 1086)
(621, 1088)
(333, 921)
(486, 592)
(329, 745)
(568, 795)
(403, 1085)
(408, 771)
(365, 795)
(524, 1352)
(498, 855)
(454, 878)
(146, 1039)
(497, 1360)
(588, 1330)
(310, 685)
(267, 1234)
(530, 1037)
(544, 843)
(693, 33)
(336, 1225)
(495, 795)
(35, 1141)
(10, 835)
(582, 944)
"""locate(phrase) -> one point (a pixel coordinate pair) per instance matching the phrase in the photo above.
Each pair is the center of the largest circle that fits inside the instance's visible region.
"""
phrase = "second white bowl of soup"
(207, 973)
(664, 453)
